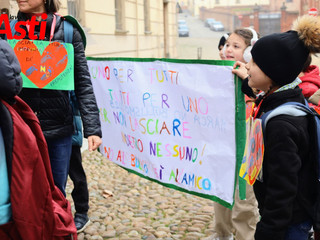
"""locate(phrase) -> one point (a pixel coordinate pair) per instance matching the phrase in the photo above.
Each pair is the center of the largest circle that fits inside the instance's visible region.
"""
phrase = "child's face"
(257, 78)
(235, 47)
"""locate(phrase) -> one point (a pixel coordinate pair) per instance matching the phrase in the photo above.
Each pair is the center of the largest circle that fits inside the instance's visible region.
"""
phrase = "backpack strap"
(67, 31)
(13, 23)
(290, 108)
(297, 109)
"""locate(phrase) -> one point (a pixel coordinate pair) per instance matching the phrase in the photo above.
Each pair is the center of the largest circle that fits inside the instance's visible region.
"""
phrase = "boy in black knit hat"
(286, 189)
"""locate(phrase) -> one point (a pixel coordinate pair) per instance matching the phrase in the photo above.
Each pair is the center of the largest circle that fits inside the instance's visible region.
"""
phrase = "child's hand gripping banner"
(44, 64)
(254, 151)
(180, 123)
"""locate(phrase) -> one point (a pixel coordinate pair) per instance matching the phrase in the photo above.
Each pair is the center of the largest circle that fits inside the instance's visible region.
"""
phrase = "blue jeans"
(59, 153)
(299, 231)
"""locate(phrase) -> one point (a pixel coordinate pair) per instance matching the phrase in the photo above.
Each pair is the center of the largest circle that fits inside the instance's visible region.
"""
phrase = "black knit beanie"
(281, 56)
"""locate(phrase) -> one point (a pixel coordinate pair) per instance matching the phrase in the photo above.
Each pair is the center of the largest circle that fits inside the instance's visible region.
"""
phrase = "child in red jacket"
(310, 79)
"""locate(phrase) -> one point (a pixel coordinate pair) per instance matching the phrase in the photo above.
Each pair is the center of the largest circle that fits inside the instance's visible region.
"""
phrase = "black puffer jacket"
(53, 106)
(287, 192)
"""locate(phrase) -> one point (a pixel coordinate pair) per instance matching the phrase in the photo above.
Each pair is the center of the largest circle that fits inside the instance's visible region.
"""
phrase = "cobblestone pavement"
(139, 208)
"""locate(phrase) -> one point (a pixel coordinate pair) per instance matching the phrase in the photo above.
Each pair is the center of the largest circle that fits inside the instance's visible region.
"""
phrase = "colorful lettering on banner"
(167, 122)
(253, 153)
(47, 65)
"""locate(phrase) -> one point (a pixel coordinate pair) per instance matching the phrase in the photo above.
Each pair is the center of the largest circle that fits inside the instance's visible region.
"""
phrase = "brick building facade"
(275, 17)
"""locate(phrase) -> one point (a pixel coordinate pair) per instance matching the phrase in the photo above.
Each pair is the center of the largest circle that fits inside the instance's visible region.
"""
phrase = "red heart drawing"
(41, 69)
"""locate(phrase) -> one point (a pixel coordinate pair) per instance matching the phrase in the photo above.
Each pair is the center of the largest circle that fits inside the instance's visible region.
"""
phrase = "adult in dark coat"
(52, 107)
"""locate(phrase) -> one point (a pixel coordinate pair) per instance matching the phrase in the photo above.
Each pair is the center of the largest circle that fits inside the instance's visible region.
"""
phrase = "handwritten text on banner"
(172, 122)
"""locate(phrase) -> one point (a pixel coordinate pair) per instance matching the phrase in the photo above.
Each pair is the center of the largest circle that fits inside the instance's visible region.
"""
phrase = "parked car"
(182, 22)
(183, 31)
(208, 22)
(217, 26)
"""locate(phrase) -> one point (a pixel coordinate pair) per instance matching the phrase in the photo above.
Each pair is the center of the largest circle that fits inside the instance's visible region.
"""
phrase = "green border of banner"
(240, 120)
(173, 60)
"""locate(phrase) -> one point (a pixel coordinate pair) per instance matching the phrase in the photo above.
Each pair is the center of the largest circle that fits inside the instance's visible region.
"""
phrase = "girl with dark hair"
(238, 223)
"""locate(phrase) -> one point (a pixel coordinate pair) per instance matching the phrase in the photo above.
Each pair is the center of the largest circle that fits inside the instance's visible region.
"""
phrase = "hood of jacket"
(310, 81)
(10, 79)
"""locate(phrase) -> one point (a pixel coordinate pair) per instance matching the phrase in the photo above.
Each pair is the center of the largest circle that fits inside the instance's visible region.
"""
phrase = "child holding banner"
(286, 191)
(243, 217)
(52, 106)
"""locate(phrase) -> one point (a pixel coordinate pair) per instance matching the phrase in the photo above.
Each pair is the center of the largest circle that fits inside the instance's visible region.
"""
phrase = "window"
(288, 1)
(217, 1)
(238, 1)
(147, 28)
(73, 8)
(76, 9)
(119, 11)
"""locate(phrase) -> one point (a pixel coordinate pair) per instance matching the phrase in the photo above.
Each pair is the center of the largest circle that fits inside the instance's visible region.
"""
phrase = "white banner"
(171, 122)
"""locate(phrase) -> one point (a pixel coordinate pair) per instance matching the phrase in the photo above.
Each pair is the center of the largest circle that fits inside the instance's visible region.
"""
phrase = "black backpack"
(299, 109)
